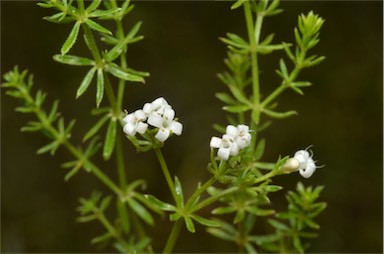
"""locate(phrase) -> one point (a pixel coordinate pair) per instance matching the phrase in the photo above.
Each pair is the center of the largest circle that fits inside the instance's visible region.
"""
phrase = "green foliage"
(240, 188)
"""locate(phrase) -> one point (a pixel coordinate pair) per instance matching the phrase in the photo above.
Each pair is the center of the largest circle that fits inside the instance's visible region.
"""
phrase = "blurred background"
(341, 115)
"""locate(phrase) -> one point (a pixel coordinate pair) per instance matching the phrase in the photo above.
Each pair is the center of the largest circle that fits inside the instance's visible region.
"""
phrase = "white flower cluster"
(235, 139)
(158, 114)
(302, 161)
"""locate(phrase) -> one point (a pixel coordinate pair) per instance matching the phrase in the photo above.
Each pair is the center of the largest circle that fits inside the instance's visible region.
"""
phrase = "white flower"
(158, 114)
(158, 107)
(135, 123)
(307, 165)
(166, 124)
(302, 161)
(235, 139)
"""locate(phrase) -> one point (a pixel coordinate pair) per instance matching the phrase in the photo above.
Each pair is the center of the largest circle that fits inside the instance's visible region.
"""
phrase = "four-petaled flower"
(235, 139)
(158, 114)
(302, 161)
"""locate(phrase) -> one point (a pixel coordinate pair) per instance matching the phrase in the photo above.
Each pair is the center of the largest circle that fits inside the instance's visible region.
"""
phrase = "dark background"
(341, 115)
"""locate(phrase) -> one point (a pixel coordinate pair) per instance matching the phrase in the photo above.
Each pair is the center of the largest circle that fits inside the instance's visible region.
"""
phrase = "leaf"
(259, 151)
(189, 224)
(237, 108)
(85, 83)
(100, 87)
(223, 210)
(140, 211)
(283, 69)
(101, 238)
(260, 212)
(279, 115)
(95, 26)
(96, 127)
(226, 98)
(71, 38)
(52, 147)
(109, 140)
(93, 6)
(160, 204)
(237, 4)
(118, 72)
(278, 225)
(73, 60)
(205, 222)
(220, 233)
(179, 193)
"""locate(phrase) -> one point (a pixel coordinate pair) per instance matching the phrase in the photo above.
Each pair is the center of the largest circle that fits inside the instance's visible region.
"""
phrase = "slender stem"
(120, 162)
(197, 193)
(165, 170)
(94, 169)
(104, 221)
(111, 97)
(92, 45)
(212, 199)
(253, 36)
(173, 236)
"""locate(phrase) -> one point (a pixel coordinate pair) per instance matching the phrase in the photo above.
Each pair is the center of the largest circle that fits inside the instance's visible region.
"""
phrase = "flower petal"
(141, 127)
(155, 120)
(176, 127)
(169, 113)
(140, 115)
(215, 142)
(223, 153)
(232, 130)
(162, 135)
(129, 129)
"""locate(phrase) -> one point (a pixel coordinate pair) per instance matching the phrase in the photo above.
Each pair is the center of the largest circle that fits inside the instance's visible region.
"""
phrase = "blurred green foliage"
(341, 115)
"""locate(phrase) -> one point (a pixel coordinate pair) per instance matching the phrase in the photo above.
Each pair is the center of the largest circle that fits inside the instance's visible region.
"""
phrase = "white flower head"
(135, 123)
(235, 139)
(166, 124)
(158, 114)
(302, 161)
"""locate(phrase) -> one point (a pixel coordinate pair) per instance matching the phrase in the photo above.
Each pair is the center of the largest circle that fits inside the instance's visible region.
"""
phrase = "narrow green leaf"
(96, 127)
(237, 4)
(88, 218)
(160, 204)
(71, 38)
(140, 211)
(102, 13)
(100, 87)
(237, 108)
(110, 140)
(219, 233)
(259, 151)
(279, 115)
(95, 26)
(73, 60)
(278, 225)
(118, 72)
(238, 94)
(85, 83)
(283, 69)
(205, 222)
(93, 6)
(226, 98)
(223, 210)
(189, 224)
(179, 192)
(101, 238)
(51, 147)
(71, 173)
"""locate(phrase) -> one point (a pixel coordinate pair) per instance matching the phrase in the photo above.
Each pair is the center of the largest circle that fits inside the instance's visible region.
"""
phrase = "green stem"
(120, 162)
(253, 36)
(165, 170)
(92, 46)
(94, 169)
(197, 193)
(104, 221)
(212, 199)
(173, 236)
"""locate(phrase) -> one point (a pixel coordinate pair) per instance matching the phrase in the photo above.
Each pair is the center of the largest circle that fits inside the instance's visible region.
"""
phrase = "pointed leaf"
(237, 108)
(72, 37)
(85, 83)
(73, 60)
(179, 192)
(160, 204)
(118, 72)
(189, 224)
(100, 87)
(205, 222)
(96, 127)
(95, 26)
(110, 140)
(140, 211)
(279, 115)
